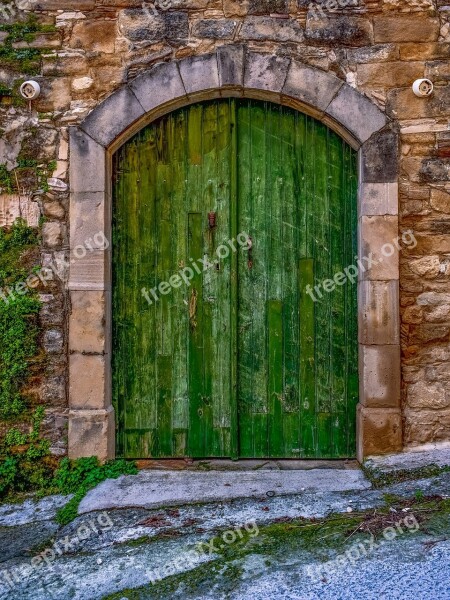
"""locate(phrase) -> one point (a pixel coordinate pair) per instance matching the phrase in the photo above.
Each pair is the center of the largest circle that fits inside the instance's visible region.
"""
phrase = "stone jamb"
(232, 71)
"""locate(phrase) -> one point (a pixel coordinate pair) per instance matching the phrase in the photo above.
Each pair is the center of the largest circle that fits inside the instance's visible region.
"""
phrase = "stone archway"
(232, 71)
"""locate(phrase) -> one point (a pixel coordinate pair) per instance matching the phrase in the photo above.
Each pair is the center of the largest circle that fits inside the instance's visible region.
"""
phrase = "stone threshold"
(220, 464)
(153, 489)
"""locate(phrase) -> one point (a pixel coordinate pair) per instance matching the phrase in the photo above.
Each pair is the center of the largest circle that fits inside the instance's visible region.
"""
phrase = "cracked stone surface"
(122, 550)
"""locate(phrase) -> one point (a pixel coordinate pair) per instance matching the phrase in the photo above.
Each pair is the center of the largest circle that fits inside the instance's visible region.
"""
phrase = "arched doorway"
(226, 215)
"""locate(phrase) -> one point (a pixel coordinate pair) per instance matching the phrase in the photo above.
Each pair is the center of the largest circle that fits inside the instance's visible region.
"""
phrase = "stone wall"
(378, 47)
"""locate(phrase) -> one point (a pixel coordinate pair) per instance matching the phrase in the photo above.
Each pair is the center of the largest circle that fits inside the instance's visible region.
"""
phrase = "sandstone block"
(428, 395)
(161, 84)
(92, 433)
(379, 431)
(402, 104)
(356, 113)
(411, 28)
(311, 86)
(379, 320)
(89, 271)
(199, 73)
(414, 51)
(378, 199)
(87, 163)
(378, 245)
(87, 382)
(87, 322)
(94, 36)
(88, 221)
(397, 74)
(428, 267)
(426, 426)
(52, 234)
(113, 116)
(379, 376)
(265, 71)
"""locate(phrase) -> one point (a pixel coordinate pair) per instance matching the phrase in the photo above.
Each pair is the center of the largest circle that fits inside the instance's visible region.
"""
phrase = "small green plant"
(78, 477)
(419, 495)
(25, 463)
(25, 60)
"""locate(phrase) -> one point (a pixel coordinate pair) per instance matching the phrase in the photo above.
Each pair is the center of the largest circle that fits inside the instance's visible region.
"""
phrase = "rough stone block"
(427, 395)
(378, 199)
(87, 163)
(398, 74)
(150, 26)
(379, 158)
(88, 220)
(53, 341)
(87, 377)
(379, 320)
(346, 30)
(356, 114)
(13, 206)
(92, 433)
(64, 5)
(94, 36)
(311, 86)
(216, 29)
(402, 28)
(230, 62)
(373, 54)
(87, 322)
(379, 376)
(89, 271)
(264, 7)
(199, 73)
(403, 105)
(113, 116)
(52, 234)
(426, 426)
(440, 201)
(268, 28)
(378, 242)
(379, 431)
(158, 86)
(265, 72)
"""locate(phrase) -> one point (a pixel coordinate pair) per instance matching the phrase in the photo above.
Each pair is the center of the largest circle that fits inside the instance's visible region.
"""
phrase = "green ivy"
(18, 317)
(78, 477)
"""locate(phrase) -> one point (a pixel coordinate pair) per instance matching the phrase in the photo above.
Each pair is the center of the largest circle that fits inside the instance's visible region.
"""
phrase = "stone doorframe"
(232, 71)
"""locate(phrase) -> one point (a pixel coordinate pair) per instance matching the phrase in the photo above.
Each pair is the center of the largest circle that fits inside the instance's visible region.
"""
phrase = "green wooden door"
(222, 353)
